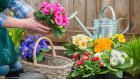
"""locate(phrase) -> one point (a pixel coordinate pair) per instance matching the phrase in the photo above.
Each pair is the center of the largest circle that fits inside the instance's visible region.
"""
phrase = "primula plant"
(101, 56)
(27, 47)
(76, 44)
(53, 15)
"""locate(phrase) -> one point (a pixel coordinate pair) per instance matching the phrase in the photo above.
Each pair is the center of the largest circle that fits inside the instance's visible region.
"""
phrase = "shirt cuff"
(20, 8)
(3, 19)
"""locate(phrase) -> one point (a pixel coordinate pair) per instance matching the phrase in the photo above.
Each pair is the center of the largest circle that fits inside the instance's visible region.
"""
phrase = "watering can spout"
(80, 23)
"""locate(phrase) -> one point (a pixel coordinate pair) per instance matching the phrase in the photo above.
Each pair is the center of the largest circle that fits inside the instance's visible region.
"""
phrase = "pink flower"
(65, 21)
(86, 53)
(75, 56)
(46, 11)
(94, 59)
(58, 21)
(44, 4)
(58, 14)
(56, 9)
(62, 9)
(85, 57)
(79, 63)
(57, 4)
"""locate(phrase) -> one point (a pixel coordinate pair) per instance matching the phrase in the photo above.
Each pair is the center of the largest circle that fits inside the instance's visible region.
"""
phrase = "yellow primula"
(80, 40)
(83, 44)
(120, 38)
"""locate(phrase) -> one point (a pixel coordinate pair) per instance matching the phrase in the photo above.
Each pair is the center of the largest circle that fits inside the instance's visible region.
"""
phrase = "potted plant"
(54, 16)
(101, 57)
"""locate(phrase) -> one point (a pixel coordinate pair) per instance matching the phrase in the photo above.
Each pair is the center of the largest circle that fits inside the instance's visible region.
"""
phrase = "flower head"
(120, 38)
(75, 56)
(114, 61)
(79, 63)
(85, 57)
(94, 59)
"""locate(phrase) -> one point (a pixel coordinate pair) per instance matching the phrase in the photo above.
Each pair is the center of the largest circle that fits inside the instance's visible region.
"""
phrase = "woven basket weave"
(55, 67)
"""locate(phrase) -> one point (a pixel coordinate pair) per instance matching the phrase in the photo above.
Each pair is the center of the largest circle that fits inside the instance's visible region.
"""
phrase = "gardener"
(8, 55)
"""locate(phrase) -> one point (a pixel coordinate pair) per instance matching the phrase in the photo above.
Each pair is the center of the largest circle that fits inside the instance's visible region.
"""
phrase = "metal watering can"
(103, 27)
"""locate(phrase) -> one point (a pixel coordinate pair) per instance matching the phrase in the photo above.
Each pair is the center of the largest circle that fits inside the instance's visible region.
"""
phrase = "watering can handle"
(112, 12)
(128, 25)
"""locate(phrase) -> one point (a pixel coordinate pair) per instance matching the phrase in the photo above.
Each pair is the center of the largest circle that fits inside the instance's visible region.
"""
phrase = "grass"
(132, 48)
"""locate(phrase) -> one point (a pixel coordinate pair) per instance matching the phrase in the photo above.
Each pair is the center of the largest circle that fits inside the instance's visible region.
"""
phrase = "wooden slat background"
(89, 10)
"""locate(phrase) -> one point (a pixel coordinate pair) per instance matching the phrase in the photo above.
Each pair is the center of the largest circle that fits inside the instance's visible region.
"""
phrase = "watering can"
(103, 27)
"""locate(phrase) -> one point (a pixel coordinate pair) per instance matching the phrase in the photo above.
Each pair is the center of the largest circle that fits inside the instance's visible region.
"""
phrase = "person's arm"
(22, 10)
(28, 23)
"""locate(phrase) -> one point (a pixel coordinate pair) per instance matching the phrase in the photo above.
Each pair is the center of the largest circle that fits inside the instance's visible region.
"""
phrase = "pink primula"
(60, 16)
(58, 21)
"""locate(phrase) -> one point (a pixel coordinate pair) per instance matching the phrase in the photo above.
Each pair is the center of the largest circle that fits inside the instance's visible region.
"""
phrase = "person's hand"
(32, 24)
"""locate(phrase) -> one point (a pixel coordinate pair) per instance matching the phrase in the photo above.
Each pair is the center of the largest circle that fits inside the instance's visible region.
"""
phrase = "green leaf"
(125, 65)
(52, 21)
(103, 72)
(110, 68)
(40, 57)
(45, 50)
(119, 74)
(58, 31)
(39, 16)
(75, 73)
(89, 49)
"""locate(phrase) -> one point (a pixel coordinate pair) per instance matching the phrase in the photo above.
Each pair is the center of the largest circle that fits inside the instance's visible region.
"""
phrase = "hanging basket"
(54, 67)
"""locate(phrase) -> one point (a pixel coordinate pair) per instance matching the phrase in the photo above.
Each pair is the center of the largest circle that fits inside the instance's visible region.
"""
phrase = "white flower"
(82, 45)
(115, 53)
(113, 61)
(121, 60)
(131, 62)
(124, 55)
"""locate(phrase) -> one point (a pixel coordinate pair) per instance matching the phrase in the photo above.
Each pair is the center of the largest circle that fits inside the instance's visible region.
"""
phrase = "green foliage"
(71, 49)
(89, 48)
(40, 57)
(47, 20)
(16, 34)
(89, 68)
(117, 70)
(132, 48)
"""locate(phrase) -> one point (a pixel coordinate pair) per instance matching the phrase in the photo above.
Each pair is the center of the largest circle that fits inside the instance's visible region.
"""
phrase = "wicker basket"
(55, 67)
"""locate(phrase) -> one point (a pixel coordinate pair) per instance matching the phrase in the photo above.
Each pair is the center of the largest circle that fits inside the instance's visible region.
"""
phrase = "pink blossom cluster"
(60, 16)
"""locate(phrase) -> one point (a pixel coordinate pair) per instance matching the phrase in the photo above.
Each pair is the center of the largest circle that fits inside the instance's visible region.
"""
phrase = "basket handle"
(35, 48)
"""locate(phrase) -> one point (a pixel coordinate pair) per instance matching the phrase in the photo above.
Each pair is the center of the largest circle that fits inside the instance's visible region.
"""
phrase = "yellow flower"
(91, 44)
(83, 44)
(116, 36)
(76, 41)
(87, 38)
(120, 38)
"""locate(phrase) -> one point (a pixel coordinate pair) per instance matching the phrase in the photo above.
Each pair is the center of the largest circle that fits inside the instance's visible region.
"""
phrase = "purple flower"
(27, 46)
(37, 36)
(44, 44)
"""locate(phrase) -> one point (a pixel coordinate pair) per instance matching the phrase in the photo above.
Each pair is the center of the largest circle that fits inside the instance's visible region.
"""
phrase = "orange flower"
(99, 48)
(103, 44)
